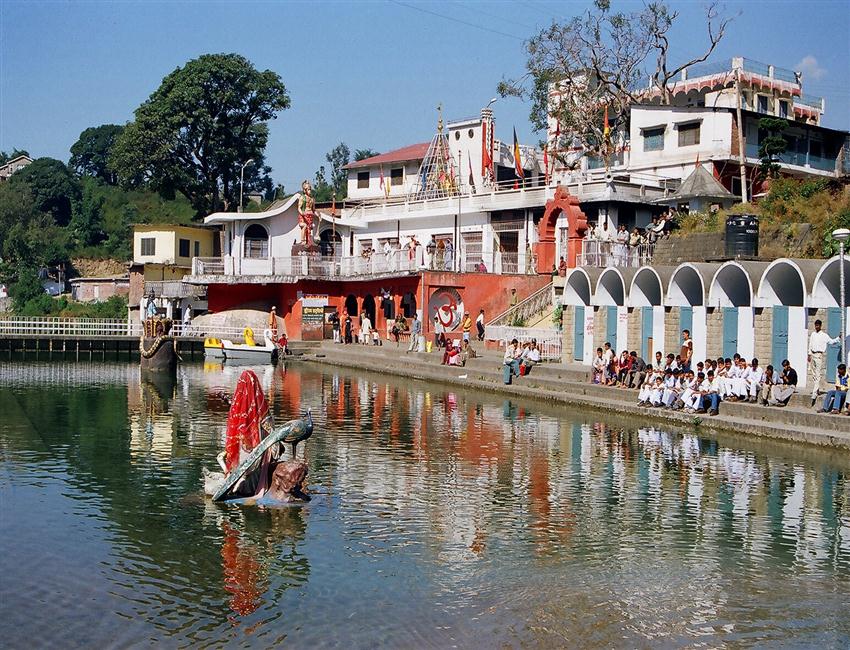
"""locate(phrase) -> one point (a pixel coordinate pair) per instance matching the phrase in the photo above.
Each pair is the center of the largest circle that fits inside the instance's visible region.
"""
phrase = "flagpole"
(456, 261)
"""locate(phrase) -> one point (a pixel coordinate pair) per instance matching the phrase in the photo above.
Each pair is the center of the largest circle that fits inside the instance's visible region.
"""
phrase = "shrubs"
(44, 305)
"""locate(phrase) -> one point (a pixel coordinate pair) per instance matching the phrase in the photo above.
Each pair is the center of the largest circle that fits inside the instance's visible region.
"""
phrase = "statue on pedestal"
(306, 214)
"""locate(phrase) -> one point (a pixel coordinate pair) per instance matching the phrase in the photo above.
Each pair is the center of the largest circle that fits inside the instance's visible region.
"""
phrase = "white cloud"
(810, 68)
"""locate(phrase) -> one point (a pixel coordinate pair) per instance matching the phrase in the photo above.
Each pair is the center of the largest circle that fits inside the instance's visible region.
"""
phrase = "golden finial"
(440, 118)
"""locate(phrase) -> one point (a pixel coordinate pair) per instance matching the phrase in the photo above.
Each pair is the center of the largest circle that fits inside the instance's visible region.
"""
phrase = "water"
(440, 518)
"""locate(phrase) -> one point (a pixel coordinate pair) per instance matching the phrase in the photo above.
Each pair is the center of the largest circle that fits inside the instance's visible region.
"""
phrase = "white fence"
(603, 254)
(104, 328)
(548, 340)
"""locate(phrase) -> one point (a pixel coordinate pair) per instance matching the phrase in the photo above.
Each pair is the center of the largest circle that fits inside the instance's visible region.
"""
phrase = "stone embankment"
(568, 384)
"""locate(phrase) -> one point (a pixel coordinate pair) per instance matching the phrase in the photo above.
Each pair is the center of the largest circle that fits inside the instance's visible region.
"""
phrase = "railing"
(497, 262)
(811, 101)
(105, 328)
(207, 266)
(603, 254)
(173, 289)
(548, 340)
(525, 309)
(801, 159)
(707, 69)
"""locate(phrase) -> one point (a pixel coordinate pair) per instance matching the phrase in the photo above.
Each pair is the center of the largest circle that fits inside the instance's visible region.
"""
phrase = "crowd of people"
(519, 359)
(674, 382)
(606, 247)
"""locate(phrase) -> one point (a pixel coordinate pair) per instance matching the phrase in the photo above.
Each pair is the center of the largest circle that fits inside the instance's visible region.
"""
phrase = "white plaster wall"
(699, 333)
(589, 315)
(374, 191)
(658, 316)
(622, 328)
(746, 332)
(798, 342)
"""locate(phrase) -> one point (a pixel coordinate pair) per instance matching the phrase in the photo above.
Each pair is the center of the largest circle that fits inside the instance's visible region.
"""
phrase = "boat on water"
(250, 350)
(255, 469)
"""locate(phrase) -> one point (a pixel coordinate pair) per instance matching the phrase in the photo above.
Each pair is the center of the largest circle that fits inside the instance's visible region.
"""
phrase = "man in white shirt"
(530, 356)
(479, 325)
(365, 329)
(510, 362)
(818, 340)
(604, 237)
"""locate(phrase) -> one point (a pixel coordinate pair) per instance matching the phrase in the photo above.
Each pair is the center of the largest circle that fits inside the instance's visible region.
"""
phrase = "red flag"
(486, 151)
(471, 177)
(606, 130)
(382, 177)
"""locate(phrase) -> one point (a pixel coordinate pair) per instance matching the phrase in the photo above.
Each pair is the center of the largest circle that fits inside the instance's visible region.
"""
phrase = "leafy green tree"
(771, 146)
(338, 158)
(195, 131)
(86, 225)
(322, 190)
(28, 289)
(54, 188)
(90, 153)
(363, 154)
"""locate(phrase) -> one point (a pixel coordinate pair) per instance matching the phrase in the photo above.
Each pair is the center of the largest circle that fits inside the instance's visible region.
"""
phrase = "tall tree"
(197, 129)
(90, 153)
(54, 188)
(771, 145)
(598, 63)
(338, 158)
(363, 154)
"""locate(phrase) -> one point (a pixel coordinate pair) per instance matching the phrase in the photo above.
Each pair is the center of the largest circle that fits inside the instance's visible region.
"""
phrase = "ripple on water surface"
(440, 517)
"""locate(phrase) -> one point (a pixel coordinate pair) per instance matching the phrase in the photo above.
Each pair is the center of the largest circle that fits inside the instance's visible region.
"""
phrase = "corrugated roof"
(410, 152)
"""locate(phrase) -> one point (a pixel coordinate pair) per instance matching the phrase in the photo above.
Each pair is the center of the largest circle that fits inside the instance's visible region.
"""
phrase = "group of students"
(519, 359)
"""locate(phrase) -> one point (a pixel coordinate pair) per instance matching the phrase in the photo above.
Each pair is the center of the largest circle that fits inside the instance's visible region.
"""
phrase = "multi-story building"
(11, 166)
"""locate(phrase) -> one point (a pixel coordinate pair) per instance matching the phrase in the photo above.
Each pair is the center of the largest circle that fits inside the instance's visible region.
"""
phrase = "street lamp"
(841, 235)
(242, 179)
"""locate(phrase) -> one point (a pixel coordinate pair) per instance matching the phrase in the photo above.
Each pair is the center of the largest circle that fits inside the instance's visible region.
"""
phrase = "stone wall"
(672, 333)
(764, 336)
(693, 247)
(714, 333)
(568, 317)
(633, 336)
(599, 326)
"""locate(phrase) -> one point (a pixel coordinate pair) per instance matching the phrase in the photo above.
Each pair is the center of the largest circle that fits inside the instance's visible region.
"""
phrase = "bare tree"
(594, 64)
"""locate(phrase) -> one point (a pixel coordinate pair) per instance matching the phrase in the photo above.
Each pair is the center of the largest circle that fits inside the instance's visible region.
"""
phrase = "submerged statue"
(252, 460)
(306, 214)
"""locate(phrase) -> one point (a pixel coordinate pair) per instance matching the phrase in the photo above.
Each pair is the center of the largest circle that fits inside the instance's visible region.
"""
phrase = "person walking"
(187, 319)
(415, 332)
(818, 340)
(334, 319)
(479, 325)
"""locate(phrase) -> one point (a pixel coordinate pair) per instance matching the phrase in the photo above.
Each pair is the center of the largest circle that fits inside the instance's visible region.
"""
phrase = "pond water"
(440, 518)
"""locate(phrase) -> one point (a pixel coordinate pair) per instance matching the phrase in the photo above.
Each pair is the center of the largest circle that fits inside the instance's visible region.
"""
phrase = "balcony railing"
(800, 159)
(173, 289)
(603, 254)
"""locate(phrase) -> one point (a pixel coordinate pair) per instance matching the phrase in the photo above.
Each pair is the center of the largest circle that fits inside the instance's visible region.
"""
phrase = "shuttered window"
(653, 139)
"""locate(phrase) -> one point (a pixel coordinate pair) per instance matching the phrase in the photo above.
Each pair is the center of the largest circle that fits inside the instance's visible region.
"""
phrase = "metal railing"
(106, 328)
(174, 289)
(601, 254)
(207, 266)
(548, 340)
(811, 101)
(498, 263)
(525, 309)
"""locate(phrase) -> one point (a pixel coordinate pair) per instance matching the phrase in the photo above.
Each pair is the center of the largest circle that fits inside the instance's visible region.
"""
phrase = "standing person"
(440, 255)
(687, 352)
(479, 325)
(466, 324)
(450, 255)
(430, 252)
(415, 332)
(187, 319)
(365, 328)
(514, 297)
(347, 329)
(818, 340)
(334, 318)
(273, 322)
(150, 309)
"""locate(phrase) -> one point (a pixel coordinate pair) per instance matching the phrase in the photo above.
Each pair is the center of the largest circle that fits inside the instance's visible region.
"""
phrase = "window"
(653, 139)
(783, 108)
(148, 246)
(689, 134)
(256, 241)
(762, 104)
(197, 249)
(396, 176)
(183, 248)
(362, 180)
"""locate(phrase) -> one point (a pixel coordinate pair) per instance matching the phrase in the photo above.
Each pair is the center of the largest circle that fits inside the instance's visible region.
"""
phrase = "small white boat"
(250, 351)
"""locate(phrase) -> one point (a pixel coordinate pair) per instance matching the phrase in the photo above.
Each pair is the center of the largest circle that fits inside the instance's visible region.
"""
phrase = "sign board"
(312, 323)
(314, 300)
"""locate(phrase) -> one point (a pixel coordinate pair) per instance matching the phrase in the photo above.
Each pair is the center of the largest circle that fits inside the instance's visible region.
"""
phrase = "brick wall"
(633, 335)
(672, 333)
(695, 247)
(599, 327)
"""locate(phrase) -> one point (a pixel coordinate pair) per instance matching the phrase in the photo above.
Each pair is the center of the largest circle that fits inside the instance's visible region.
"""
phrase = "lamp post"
(841, 235)
(242, 179)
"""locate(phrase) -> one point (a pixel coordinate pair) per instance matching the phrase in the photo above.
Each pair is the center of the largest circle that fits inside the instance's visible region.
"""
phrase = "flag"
(517, 159)
(546, 162)
(606, 129)
(696, 164)
(486, 151)
(471, 177)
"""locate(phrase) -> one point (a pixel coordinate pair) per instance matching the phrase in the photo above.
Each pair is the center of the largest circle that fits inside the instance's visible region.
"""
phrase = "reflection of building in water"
(152, 426)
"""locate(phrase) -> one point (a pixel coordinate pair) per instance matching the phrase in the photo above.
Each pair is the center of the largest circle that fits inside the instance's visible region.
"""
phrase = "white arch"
(646, 289)
(687, 287)
(782, 283)
(826, 291)
(610, 288)
(577, 289)
(730, 287)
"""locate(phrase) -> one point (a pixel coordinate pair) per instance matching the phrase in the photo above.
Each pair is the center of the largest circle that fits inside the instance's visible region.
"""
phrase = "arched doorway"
(369, 308)
(256, 241)
(330, 243)
(351, 305)
(408, 305)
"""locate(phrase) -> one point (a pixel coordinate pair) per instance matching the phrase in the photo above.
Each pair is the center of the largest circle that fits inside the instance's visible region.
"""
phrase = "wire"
(457, 20)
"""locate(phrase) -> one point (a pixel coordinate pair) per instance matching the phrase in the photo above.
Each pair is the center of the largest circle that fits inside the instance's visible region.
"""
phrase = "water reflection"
(440, 517)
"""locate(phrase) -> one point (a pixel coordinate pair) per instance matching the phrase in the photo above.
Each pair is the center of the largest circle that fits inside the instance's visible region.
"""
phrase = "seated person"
(453, 354)
(466, 352)
(782, 392)
(530, 356)
(710, 402)
(637, 372)
(624, 367)
(510, 364)
(834, 400)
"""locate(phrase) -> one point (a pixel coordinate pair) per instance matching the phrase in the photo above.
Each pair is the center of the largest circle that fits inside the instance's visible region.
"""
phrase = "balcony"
(174, 289)
(799, 159)
(598, 254)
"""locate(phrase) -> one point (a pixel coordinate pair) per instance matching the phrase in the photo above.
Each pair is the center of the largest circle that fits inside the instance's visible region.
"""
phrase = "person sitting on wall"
(466, 352)
(770, 379)
(834, 400)
(562, 267)
(624, 367)
(510, 363)
(454, 354)
(782, 392)
(599, 365)
(637, 371)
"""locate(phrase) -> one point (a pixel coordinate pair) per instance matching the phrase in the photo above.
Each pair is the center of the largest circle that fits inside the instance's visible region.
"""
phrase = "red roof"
(411, 152)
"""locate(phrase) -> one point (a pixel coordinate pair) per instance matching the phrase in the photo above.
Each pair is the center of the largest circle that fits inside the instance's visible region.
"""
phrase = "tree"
(86, 225)
(322, 190)
(338, 158)
(6, 157)
(90, 153)
(597, 63)
(195, 131)
(363, 154)
(54, 188)
(771, 146)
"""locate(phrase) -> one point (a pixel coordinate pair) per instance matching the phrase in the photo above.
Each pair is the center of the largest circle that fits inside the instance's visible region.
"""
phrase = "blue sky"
(367, 73)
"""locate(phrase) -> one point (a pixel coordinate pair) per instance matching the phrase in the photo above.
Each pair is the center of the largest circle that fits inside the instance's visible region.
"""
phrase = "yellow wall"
(167, 244)
(165, 272)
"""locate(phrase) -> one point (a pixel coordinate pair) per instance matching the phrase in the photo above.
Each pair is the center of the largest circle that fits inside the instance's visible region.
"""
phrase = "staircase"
(532, 311)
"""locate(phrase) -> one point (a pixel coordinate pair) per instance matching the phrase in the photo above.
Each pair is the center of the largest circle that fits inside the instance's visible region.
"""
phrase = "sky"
(369, 74)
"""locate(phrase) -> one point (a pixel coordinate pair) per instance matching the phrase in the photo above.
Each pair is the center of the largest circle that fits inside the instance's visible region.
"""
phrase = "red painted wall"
(478, 290)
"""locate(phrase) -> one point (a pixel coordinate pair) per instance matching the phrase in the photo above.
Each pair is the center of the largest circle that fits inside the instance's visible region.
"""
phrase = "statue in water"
(306, 214)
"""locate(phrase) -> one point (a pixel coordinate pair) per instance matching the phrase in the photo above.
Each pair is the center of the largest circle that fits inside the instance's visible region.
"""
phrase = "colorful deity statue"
(306, 214)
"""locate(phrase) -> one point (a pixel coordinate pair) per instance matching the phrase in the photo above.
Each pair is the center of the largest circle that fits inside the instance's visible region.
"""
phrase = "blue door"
(779, 341)
(730, 331)
(645, 332)
(578, 334)
(611, 328)
(833, 328)
(686, 320)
